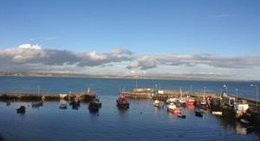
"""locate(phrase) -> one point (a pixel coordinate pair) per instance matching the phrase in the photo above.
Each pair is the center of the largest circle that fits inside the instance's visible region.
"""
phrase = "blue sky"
(174, 37)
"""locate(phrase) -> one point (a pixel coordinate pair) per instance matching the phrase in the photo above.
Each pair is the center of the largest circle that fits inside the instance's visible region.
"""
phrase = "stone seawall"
(45, 97)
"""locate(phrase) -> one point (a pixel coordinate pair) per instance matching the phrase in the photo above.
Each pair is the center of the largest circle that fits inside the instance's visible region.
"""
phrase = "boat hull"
(174, 111)
(122, 105)
(93, 107)
(198, 114)
(190, 102)
(158, 104)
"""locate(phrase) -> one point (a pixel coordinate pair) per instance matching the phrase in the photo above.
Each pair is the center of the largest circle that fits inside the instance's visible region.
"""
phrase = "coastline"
(149, 77)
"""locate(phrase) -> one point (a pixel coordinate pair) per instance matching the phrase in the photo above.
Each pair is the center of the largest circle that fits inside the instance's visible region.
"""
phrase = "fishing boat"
(217, 113)
(181, 116)
(190, 101)
(21, 109)
(182, 102)
(37, 104)
(246, 118)
(158, 103)
(198, 113)
(173, 109)
(63, 104)
(89, 96)
(122, 102)
(97, 102)
(171, 100)
(75, 104)
(93, 107)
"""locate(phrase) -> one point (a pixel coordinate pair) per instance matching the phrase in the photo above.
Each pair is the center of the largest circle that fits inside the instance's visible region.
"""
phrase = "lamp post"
(252, 85)
(226, 89)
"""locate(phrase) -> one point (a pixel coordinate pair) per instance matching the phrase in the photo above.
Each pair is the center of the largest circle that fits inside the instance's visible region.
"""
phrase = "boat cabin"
(241, 107)
(228, 100)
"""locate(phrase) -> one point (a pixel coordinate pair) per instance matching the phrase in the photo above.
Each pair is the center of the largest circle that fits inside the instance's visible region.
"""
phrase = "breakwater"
(46, 97)
(238, 108)
(163, 95)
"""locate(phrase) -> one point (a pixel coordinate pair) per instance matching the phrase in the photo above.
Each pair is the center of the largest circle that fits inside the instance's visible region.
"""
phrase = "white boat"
(63, 104)
(218, 113)
(173, 109)
(158, 103)
(182, 101)
(203, 101)
(171, 100)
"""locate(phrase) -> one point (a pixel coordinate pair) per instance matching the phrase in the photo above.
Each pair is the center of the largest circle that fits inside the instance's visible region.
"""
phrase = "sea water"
(142, 121)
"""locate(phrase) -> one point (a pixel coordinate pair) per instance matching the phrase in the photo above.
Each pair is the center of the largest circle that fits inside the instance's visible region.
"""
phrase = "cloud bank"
(29, 57)
(145, 62)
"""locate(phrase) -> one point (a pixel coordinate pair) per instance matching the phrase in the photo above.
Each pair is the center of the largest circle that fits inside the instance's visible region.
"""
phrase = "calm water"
(141, 122)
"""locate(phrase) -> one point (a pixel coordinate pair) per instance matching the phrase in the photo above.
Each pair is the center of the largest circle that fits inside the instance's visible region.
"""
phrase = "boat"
(21, 109)
(198, 113)
(158, 103)
(171, 100)
(181, 116)
(97, 102)
(93, 107)
(203, 101)
(173, 109)
(122, 102)
(203, 104)
(63, 104)
(89, 96)
(246, 118)
(190, 101)
(218, 113)
(75, 104)
(182, 102)
(37, 104)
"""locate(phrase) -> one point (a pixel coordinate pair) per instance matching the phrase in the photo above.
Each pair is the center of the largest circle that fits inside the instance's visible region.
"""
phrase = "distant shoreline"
(75, 75)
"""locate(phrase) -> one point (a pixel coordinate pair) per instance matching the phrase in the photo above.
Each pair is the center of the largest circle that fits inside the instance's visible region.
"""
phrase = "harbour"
(222, 107)
(141, 121)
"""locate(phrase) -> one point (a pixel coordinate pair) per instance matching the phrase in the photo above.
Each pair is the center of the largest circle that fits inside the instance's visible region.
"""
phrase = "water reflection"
(157, 109)
(242, 129)
(140, 113)
(122, 111)
(239, 128)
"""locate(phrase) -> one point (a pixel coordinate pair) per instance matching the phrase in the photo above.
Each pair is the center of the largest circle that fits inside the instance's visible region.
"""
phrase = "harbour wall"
(138, 93)
(45, 97)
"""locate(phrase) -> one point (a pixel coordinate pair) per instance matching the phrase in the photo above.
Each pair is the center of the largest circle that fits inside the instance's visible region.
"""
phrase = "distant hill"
(147, 76)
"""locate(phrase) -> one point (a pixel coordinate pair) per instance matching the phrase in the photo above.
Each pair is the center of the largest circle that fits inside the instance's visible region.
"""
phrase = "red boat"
(190, 102)
(173, 109)
(122, 102)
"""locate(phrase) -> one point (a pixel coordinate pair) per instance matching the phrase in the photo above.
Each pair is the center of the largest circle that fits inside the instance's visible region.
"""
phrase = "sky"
(184, 38)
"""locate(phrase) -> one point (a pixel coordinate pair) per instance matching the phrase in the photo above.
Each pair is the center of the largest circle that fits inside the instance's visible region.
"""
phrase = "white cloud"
(95, 56)
(151, 61)
(27, 57)
(29, 46)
